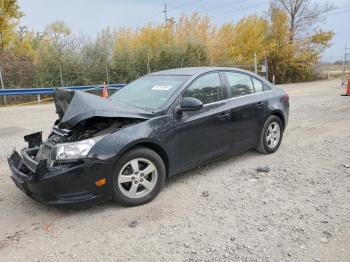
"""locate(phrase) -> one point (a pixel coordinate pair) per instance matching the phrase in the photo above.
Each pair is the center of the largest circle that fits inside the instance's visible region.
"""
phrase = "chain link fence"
(26, 74)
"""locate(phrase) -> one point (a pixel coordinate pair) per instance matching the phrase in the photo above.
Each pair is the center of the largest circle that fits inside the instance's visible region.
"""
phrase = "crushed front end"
(69, 183)
(60, 170)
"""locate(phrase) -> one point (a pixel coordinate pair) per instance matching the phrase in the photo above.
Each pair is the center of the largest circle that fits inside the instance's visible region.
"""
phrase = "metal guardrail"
(50, 90)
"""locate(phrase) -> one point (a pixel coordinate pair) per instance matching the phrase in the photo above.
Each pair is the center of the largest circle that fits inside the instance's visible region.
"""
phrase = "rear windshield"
(149, 92)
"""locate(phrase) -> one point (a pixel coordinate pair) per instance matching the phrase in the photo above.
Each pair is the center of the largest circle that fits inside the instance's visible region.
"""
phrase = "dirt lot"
(299, 211)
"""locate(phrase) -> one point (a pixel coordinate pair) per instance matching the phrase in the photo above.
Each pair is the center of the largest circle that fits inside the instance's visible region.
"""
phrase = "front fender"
(114, 145)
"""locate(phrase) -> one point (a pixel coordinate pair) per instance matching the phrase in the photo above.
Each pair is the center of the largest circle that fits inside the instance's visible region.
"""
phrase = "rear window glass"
(239, 84)
(258, 86)
(266, 87)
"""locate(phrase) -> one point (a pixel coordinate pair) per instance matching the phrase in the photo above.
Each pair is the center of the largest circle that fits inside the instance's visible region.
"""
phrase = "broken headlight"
(72, 151)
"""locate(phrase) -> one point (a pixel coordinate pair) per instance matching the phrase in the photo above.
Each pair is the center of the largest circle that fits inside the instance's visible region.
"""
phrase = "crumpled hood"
(73, 107)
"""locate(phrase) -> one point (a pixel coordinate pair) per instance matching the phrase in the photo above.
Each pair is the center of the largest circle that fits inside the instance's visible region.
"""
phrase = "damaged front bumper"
(69, 184)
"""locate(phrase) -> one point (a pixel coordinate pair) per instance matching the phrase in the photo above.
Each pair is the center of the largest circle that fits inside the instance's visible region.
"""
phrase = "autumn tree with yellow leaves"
(58, 57)
(10, 15)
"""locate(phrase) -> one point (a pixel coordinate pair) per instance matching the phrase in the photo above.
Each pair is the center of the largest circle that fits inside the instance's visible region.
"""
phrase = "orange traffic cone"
(347, 92)
(104, 91)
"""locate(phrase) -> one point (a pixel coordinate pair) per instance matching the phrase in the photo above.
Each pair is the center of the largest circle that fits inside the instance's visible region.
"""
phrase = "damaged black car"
(123, 148)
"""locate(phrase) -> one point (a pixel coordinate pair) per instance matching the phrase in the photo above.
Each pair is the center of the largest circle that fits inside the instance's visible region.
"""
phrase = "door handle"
(224, 115)
(260, 105)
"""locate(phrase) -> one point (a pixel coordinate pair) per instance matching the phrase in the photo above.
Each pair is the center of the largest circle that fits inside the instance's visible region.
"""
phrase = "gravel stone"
(205, 194)
(264, 169)
(304, 195)
(133, 223)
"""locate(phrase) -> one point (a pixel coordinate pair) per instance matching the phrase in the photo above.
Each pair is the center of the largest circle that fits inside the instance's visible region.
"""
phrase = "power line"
(159, 13)
(330, 13)
(148, 18)
(236, 11)
(226, 5)
(189, 4)
(339, 13)
(342, 7)
(263, 3)
(342, 32)
(185, 5)
(260, 4)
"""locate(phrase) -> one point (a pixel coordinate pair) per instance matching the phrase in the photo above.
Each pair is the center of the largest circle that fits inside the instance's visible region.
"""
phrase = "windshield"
(149, 92)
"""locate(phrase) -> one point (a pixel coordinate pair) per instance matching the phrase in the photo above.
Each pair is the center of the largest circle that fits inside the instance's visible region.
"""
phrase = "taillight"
(285, 98)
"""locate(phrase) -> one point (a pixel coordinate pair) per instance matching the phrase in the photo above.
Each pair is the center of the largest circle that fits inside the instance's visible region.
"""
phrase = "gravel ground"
(224, 211)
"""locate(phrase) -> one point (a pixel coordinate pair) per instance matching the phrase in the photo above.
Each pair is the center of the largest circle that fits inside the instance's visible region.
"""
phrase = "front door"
(203, 134)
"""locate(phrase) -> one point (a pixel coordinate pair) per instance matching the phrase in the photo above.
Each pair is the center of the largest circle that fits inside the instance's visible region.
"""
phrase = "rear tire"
(271, 135)
(138, 177)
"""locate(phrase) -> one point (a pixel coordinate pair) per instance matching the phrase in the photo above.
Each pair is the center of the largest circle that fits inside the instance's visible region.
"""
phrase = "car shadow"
(198, 171)
(170, 182)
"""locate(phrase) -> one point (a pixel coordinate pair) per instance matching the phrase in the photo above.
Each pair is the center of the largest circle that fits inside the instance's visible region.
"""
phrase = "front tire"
(138, 177)
(271, 135)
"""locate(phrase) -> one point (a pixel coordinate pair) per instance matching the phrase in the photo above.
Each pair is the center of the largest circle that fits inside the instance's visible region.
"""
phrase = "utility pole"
(61, 74)
(107, 75)
(166, 19)
(255, 64)
(2, 86)
(165, 15)
(148, 64)
(266, 69)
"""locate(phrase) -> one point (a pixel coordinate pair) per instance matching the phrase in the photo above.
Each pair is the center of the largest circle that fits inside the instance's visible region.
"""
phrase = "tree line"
(287, 34)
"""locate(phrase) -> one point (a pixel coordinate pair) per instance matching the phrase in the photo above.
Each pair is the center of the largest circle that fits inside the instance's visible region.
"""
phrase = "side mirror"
(190, 104)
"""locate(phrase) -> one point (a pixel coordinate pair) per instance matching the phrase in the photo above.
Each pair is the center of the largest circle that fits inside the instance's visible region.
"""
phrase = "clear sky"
(90, 16)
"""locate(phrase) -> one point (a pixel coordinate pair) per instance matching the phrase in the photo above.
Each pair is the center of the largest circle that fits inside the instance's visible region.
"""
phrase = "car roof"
(194, 71)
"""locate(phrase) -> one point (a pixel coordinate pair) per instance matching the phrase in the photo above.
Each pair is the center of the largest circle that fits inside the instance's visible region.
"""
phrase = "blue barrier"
(50, 90)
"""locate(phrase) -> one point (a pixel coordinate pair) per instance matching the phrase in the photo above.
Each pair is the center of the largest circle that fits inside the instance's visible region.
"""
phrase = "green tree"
(57, 56)
(195, 54)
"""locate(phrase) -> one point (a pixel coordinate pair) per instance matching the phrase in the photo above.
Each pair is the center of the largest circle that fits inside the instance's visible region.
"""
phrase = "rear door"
(248, 107)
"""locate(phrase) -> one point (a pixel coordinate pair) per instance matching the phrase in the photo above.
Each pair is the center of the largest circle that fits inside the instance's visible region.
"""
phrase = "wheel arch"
(156, 148)
(280, 115)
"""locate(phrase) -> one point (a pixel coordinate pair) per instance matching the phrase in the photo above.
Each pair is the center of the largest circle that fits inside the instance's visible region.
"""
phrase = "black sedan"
(123, 148)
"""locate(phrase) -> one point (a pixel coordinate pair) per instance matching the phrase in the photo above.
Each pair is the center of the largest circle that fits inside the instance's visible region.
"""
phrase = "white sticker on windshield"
(161, 88)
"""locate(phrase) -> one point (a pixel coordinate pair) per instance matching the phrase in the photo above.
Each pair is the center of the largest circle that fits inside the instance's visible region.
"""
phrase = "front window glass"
(239, 84)
(206, 88)
(149, 92)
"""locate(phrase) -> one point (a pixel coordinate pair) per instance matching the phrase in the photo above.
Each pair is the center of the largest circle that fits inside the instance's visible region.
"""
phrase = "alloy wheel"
(137, 178)
(273, 135)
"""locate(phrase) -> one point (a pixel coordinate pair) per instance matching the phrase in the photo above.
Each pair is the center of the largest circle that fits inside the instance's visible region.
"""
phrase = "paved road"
(299, 211)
